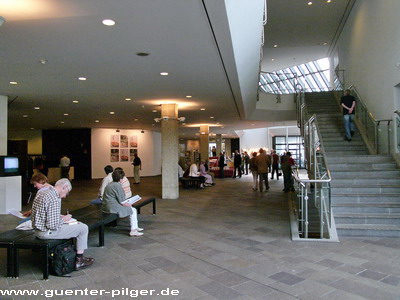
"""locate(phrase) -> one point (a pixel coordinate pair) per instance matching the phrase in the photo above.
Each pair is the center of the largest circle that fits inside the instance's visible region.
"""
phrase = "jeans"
(348, 125)
(263, 177)
(275, 169)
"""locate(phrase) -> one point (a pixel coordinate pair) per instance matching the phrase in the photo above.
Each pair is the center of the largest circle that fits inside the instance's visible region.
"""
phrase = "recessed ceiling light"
(135, 120)
(43, 61)
(164, 73)
(13, 82)
(32, 128)
(328, 1)
(309, 3)
(217, 123)
(75, 101)
(66, 114)
(128, 99)
(188, 96)
(97, 121)
(183, 123)
(36, 107)
(62, 122)
(222, 127)
(153, 124)
(142, 54)
(108, 22)
(25, 116)
(112, 113)
(154, 110)
(211, 117)
(202, 108)
(82, 78)
(275, 46)
(273, 59)
(325, 43)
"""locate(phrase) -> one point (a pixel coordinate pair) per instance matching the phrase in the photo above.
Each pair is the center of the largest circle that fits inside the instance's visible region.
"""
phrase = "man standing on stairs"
(348, 104)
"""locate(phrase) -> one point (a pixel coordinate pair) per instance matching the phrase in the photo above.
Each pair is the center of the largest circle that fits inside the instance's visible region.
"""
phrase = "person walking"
(246, 159)
(262, 163)
(237, 161)
(221, 165)
(275, 165)
(286, 163)
(64, 165)
(137, 166)
(253, 170)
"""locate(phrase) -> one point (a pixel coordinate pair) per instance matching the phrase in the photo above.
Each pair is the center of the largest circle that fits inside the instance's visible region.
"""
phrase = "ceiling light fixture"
(325, 43)
(328, 1)
(43, 61)
(135, 120)
(188, 96)
(164, 73)
(128, 99)
(112, 113)
(154, 110)
(202, 108)
(275, 46)
(25, 116)
(37, 107)
(66, 114)
(309, 3)
(75, 101)
(211, 117)
(82, 78)
(97, 121)
(273, 59)
(32, 128)
(108, 22)
(62, 122)
(13, 82)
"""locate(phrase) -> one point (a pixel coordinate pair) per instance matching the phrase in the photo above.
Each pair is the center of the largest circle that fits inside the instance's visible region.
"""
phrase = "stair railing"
(372, 128)
(317, 186)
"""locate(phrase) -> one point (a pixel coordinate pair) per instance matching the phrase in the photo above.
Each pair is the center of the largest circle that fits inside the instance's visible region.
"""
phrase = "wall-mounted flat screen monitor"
(9, 166)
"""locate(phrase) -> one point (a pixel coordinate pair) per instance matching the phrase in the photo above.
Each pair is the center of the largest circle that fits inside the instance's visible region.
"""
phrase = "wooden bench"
(189, 182)
(91, 215)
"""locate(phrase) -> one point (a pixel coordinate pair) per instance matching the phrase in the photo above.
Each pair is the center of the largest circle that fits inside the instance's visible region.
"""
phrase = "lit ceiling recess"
(108, 22)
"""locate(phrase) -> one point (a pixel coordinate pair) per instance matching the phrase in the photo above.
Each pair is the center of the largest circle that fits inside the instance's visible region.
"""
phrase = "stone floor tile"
(286, 278)
(229, 279)
(372, 275)
(392, 280)
(254, 289)
(219, 291)
(330, 263)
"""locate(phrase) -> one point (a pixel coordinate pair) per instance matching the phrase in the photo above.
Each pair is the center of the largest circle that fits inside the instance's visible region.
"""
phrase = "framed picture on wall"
(124, 141)
(124, 155)
(131, 153)
(114, 143)
(114, 155)
(133, 141)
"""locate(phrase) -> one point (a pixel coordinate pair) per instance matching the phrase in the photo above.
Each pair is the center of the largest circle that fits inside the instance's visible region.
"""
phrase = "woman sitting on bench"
(194, 172)
(113, 197)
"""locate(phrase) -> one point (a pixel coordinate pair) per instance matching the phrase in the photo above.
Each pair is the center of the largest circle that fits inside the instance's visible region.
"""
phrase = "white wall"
(369, 48)
(149, 151)
(255, 139)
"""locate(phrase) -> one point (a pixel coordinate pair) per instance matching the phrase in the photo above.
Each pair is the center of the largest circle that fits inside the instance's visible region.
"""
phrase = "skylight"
(313, 76)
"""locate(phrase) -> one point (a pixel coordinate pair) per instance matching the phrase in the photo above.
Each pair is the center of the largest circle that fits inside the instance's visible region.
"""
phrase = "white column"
(204, 135)
(331, 73)
(169, 151)
(3, 124)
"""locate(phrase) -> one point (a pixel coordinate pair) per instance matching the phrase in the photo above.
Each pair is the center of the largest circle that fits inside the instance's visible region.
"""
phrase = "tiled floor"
(224, 242)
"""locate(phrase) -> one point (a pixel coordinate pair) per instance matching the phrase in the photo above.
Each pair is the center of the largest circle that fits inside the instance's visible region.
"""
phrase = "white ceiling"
(177, 34)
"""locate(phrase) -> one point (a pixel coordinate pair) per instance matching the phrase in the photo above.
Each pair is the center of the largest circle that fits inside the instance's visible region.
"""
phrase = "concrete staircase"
(365, 189)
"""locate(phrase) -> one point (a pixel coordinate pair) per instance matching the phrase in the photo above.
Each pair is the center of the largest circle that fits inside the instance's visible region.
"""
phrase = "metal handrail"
(373, 135)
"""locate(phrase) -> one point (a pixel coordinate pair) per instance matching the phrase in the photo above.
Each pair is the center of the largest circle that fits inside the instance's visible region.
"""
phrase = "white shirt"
(180, 171)
(194, 172)
(104, 183)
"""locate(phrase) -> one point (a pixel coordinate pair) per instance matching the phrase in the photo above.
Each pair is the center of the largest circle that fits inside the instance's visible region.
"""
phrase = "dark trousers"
(65, 172)
(275, 168)
(263, 177)
(239, 171)
(287, 181)
(221, 172)
(246, 168)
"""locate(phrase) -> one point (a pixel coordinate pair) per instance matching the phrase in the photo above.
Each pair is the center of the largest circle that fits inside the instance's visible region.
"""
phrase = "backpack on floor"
(62, 258)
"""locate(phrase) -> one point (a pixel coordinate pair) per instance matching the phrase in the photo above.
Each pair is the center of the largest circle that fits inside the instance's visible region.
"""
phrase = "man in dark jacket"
(237, 161)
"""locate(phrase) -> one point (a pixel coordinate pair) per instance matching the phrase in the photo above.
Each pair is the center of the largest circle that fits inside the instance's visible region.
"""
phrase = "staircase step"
(359, 166)
(381, 208)
(365, 198)
(380, 219)
(368, 230)
(366, 181)
(337, 189)
(366, 174)
(359, 159)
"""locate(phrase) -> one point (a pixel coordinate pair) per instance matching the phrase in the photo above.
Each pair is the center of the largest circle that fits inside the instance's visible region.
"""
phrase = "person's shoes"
(82, 262)
(136, 183)
(352, 133)
(135, 233)
(254, 189)
(284, 190)
(272, 178)
(202, 187)
(233, 176)
(139, 229)
(240, 176)
(292, 190)
(267, 188)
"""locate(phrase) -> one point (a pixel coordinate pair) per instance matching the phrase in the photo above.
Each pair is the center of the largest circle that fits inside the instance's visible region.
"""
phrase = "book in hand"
(71, 221)
(132, 199)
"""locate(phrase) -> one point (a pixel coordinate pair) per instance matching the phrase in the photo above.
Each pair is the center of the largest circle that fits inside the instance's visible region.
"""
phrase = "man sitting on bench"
(50, 224)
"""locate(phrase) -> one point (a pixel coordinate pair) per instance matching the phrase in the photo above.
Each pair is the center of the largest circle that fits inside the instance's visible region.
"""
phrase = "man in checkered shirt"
(50, 224)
